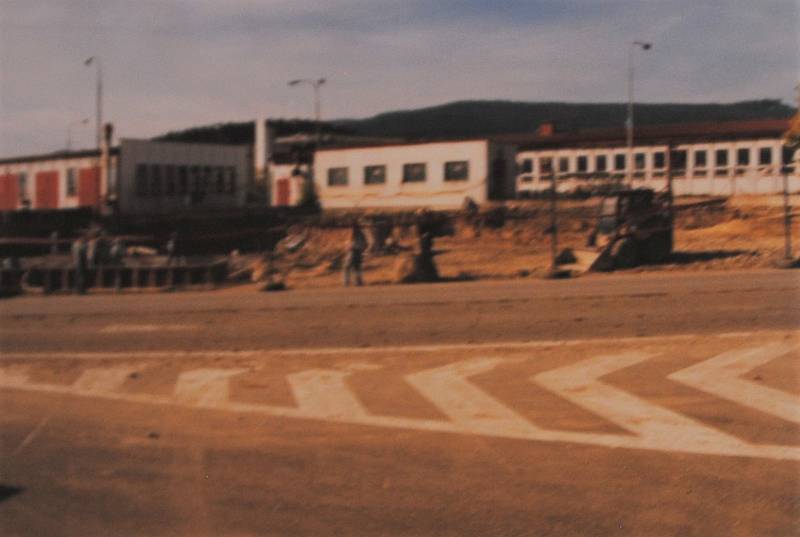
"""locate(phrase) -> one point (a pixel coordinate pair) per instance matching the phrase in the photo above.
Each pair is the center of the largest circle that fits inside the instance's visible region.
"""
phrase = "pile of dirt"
(716, 236)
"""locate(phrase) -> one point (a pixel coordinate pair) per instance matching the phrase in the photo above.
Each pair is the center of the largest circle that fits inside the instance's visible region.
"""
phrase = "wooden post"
(787, 218)
(553, 223)
(65, 279)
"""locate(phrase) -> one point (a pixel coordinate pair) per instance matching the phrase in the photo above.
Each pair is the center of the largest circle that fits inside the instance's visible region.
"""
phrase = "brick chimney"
(546, 128)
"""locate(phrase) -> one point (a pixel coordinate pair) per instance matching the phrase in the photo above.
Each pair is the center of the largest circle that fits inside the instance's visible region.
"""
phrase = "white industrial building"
(138, 177)
(727, 158)
(439, 174)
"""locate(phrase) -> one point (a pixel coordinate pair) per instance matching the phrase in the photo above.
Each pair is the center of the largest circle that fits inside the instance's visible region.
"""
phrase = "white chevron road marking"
(102, 380)
(325, 394)
(467, 405)
(205, 387)
(580, 384)
(721, 374)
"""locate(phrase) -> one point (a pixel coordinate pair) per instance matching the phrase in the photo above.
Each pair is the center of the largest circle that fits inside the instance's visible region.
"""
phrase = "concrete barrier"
(124, 278)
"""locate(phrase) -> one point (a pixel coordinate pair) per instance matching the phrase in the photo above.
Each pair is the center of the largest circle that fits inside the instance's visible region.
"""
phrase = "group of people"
(91, 251)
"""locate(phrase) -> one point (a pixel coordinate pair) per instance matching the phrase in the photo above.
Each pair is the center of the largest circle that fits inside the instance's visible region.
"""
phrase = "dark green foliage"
(482, 118)
(244, 133)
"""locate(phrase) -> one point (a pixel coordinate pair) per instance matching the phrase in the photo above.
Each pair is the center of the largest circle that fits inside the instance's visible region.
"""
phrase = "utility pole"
(84, 121)
(98, 97)
(629, 122)
(316, 84)
(553, 224)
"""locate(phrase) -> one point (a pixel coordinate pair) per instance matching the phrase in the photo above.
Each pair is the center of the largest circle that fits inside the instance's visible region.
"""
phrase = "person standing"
(172, 248)
(79, 262)
(355, 256)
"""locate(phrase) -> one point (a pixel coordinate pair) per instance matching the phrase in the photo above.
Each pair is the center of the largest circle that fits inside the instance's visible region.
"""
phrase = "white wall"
(286, 172)
(60, 165)
(135, 152)
(751, 179)
(433, 192)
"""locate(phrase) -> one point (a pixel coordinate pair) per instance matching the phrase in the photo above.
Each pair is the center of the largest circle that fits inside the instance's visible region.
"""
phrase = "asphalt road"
(634, 404)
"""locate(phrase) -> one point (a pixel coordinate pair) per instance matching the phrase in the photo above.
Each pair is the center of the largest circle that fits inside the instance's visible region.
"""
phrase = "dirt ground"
(745, 232)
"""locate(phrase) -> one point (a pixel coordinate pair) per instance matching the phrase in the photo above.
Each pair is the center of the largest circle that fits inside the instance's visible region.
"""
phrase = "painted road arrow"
(721, 376)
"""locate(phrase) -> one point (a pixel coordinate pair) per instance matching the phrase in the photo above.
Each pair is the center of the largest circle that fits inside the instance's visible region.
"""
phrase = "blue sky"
(171, 64)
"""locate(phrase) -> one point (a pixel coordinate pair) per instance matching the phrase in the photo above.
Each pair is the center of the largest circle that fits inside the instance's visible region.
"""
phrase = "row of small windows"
(548, 165)
(415, 172)
(171, 180)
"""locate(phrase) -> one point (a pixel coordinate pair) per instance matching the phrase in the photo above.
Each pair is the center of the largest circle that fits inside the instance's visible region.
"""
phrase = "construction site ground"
(743, 233)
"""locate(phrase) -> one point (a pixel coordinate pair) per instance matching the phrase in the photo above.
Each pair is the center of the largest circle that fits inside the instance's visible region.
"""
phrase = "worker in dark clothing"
(80, 264)
(355, 255)
(172, 248)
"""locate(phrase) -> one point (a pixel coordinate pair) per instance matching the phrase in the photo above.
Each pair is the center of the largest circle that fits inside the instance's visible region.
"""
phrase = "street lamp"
(629, 122)
(316, 84)
(99, 105)
(84, 121)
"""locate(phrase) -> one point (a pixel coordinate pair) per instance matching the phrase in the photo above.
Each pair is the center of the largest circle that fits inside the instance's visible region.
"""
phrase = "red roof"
(657, 134)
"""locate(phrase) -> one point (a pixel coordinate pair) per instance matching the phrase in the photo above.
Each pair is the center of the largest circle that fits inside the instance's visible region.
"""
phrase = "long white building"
(437, 174)
(727, 158)
(138, 177)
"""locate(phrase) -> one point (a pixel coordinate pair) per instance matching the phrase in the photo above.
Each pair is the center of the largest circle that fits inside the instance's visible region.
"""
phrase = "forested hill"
(480, 118)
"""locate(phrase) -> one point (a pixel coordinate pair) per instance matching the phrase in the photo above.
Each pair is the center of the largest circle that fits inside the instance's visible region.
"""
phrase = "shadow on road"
(684, 258)
(9, 492)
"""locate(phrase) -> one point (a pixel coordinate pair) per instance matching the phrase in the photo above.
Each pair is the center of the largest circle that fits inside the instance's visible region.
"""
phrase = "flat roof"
(662, 134)
(57, 155)
(423, 141)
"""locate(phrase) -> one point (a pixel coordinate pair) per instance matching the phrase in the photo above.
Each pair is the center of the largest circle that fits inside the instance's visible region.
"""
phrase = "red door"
(283, 193)
(46, 190)
(9, 192)
(89, 187)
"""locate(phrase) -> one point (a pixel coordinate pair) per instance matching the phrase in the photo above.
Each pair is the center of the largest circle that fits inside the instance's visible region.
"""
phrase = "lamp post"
(629, 121)
(84, 121)
(99, 96)
(316, 84)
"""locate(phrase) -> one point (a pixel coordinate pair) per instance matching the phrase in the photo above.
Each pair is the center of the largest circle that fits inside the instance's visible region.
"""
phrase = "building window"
(639, 161)
(765, 156)
(183, 180)
(619, 162)
(546, 166)
(72, 182)
(414, 173)
(155, 180)
(219, 179)
(700, 159)
(600, 163)
(142, 180)
(232, 180)
(374, 175)
(194, 172)
(337, 177)
(583, 164)
(787, 156)
(742, 157)
(526, 179)
(22, 182)
(456, 170)
(677, 161)
(169, 180)
(527, 165)
(721, 157)
(563, 164)
(206, 178)
(659, 160)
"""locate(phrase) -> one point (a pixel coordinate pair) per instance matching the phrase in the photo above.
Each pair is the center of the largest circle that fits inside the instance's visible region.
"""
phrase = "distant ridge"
(483, 118)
